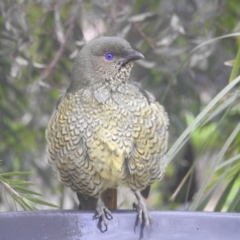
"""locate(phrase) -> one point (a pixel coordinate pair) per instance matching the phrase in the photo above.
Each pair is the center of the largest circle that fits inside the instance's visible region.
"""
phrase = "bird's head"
(105, 59)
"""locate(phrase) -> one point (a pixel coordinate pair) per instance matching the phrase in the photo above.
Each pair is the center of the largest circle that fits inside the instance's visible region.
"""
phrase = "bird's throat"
(121, 76)
(103, 90)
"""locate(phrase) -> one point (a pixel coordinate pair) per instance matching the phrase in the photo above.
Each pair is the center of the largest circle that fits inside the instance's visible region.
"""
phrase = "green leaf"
(214, 166)
(22, 203)
(225, 194)
(228, 162)
(201, 206)
(20, 197)
(26, 191)
(18, 182)
(235, 203)
(236, 66)
(177, 146)
(38, 201)
(13, 174)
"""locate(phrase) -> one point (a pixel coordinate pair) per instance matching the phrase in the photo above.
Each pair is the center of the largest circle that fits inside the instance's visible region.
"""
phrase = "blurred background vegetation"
(185, 67)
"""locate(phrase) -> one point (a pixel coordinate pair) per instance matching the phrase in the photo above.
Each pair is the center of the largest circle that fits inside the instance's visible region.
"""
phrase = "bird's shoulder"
(140, 102)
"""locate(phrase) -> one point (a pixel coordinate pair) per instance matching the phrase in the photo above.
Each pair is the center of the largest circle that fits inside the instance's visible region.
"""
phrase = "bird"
(106, 130)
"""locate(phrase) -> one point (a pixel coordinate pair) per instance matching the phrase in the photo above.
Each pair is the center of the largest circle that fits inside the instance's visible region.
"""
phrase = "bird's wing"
(67, 150)
(146, 162)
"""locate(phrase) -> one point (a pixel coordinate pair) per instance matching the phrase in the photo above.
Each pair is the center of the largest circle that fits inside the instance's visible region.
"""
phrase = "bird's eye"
(109, 56)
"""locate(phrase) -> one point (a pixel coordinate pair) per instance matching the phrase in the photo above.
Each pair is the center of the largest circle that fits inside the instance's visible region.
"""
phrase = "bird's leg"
(102, 214)
(143, 216)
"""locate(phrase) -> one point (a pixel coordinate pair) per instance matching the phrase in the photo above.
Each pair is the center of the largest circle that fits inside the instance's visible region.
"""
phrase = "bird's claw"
(143, 218)
(103, 215)
(139, 215)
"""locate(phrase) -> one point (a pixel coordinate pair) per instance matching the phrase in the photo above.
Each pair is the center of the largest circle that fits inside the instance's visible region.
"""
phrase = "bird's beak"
(131, 56)
(134, 55)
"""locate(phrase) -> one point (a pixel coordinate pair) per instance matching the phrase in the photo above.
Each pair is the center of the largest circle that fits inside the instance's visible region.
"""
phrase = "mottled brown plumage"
(105, 131)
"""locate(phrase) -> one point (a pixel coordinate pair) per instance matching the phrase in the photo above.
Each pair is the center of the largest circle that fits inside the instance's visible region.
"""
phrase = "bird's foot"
(143, 218)
(103, 215)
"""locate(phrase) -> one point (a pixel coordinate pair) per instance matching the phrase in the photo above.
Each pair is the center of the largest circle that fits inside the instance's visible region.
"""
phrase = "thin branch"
(62, 47)
(10, 189)
(142, 33)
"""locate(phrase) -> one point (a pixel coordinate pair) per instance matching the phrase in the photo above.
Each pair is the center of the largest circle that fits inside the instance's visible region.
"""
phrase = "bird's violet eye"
(109, 56)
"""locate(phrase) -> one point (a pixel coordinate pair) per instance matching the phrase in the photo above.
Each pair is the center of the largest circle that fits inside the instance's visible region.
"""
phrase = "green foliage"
(228, 171)
(19, 191)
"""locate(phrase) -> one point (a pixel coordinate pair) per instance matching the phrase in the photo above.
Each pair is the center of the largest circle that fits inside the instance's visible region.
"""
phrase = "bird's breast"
(109, 146)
